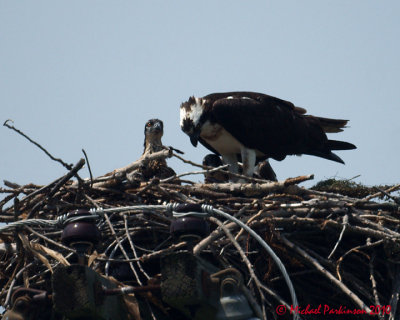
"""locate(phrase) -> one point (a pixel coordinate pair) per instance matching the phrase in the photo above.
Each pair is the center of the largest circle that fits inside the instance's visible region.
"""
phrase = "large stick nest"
(339, 241)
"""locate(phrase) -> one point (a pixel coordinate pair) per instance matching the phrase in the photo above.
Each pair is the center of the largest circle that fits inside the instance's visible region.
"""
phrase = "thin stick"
(254, 189)
(391, 189)
(252, 218)
(68, 166)
(158, 254)
(133, 247)
(68, 176)
(217, 233)
(106, 179)
(395, 295)
(41, 190)
(14, 279)
(327, 274)
(57, 244)
(345, 223)
(189, 162)
(373, 283)
(245, 260)
(88, 164)
(121, 247)
(220, 168)
(365, 246)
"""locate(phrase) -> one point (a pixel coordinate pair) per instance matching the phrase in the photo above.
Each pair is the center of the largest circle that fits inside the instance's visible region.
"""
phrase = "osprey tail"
(331, 125)
(340, 145)
(333, 145)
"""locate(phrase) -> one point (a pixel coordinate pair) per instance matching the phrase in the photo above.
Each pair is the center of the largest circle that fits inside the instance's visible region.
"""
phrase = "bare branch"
(68, 166)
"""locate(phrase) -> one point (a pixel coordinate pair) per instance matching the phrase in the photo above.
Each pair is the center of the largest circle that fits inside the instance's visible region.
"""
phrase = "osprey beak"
(157, 127)
(194, 137)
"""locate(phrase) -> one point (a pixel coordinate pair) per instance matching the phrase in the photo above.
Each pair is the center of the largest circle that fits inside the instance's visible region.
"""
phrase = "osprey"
(262, 171)
(253, 126)
(153, 132)
(214, 161)
(265, 171)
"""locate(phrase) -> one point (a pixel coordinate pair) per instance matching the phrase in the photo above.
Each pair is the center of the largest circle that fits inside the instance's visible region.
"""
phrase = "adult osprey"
(255, 126)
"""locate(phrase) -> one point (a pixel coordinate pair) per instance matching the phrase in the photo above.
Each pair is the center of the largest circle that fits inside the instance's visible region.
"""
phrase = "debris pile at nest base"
(339, 243)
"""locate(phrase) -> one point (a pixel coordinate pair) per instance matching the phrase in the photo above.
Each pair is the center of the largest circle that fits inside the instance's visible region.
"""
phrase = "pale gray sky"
(88, 74)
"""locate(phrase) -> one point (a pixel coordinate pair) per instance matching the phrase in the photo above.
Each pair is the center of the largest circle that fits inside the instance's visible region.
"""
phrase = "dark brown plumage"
(256, 126)
(265, 171)
(153, 132)
(214, 161)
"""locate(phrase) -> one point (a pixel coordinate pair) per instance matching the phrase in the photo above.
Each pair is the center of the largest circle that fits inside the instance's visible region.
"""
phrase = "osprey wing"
(267, 124)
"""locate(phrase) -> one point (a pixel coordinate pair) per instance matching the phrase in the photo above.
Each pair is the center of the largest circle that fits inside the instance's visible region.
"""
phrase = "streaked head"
(154, 126)
(153, 131)
(191, 118)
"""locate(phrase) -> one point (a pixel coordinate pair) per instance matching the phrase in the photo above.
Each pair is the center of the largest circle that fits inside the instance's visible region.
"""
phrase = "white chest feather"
(220, 139)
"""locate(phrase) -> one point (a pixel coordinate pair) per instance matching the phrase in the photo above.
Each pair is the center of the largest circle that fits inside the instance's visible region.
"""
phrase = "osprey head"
(192, 118)
(154, 126)
(153, 131)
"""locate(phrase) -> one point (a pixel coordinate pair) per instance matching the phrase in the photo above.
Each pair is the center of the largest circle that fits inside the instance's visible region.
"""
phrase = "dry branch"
(326, 240)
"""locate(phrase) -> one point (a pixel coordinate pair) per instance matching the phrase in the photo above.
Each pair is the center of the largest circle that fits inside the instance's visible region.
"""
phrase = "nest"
(338, 241)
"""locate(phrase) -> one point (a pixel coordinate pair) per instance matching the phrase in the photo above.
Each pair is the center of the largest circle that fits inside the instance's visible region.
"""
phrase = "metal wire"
(209, 209)
(169, 209)
(28, 222)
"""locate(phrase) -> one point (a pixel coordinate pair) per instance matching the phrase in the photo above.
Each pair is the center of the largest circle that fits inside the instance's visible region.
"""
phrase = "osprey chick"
(153, 132)
(265, 171)
(262, 171)
(214, 161)
(255, 126)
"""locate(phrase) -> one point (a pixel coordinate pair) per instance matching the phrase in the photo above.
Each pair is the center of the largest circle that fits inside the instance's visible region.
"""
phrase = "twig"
(14, 279)
(220, 168)
(391, 189)
(345, 223)
(176, 150)
(10, 184)
(362, 230)
(245, 260)
(41, 190)
(252, 218)
(58, 185)
(395, 295)
(217, 233)
(327, 274)
(254, 189)
(365, 246)
(107, 179)
(189, 162)
(133, 248)
(55, 243)
(88, 164)
(119, 244)
(68, 166)
(68, 176)
(153, 182)
(373, 283)
(158, 254)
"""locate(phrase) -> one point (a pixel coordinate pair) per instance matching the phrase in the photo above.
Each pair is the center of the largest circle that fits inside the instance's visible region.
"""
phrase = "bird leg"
(248, 161)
